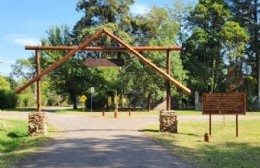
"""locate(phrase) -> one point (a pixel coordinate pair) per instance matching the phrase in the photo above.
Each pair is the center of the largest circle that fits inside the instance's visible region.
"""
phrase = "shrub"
(8, 99)
(26, 99)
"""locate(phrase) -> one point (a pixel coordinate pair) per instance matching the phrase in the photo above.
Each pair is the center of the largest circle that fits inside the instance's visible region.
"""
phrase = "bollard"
(103, 113)
(129, 113)
(115, 115)
(206, 137)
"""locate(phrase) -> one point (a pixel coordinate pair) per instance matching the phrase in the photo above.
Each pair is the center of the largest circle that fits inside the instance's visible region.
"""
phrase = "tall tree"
(24, 68)
(4, 84)
(215, 38)
(113, 15)
(178, 11)
(70, 77)
(143, 83)
(247, 13)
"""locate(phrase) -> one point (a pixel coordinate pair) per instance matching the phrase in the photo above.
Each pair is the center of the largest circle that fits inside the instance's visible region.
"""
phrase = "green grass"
(224, 148)
(253, 113)
(15, 142)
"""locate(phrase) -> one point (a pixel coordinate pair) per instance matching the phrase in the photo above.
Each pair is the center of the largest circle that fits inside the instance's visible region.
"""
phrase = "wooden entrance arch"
(84, 45)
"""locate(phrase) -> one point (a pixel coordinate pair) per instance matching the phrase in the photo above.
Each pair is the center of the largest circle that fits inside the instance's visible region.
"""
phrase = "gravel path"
(99, 142)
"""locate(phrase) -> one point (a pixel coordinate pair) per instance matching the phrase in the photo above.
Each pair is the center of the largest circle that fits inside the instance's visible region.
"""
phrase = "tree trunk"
(215, 76)
(256, 48)
(116, 108)
(257, 54)
(74, 101)
(149, 101)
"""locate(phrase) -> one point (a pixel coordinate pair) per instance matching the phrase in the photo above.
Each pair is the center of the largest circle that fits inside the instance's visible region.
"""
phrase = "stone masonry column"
(38, 123)
(197, 101)
(168, 122)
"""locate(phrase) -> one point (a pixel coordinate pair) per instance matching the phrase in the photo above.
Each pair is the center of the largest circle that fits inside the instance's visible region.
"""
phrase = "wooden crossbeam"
(138, 48)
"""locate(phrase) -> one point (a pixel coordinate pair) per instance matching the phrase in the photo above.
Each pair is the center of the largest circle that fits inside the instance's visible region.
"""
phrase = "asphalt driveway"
(96, 142)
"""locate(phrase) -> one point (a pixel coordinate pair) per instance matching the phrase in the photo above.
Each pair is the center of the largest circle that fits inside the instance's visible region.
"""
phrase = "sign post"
(92, 89)
(224, 104)
(83, 98)
(210, 124)
(236, 125)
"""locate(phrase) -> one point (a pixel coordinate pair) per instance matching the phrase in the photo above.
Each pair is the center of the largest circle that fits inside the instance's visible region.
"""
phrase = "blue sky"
(24, 22)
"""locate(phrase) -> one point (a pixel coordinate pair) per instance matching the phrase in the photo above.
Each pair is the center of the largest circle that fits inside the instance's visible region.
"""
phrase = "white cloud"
(26, 41)
(21, 39)
(139, 9)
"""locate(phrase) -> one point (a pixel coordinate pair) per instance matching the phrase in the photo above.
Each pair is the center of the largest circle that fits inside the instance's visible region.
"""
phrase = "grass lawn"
(223, 150)
(14, 142)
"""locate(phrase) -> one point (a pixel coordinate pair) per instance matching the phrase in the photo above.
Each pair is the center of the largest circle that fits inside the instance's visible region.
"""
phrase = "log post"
(38, 83)
(168, 84)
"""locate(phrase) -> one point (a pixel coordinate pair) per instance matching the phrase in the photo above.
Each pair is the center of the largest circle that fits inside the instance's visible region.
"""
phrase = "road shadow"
(117, 151)
(95, 130)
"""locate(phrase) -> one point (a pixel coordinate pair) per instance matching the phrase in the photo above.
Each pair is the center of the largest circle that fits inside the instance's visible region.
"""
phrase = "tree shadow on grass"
(189, 134)
(156, 130)
(16, 135)
(148, 130)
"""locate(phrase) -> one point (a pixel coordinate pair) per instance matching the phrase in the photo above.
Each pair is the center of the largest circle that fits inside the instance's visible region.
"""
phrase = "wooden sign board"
(224, 103)
(103, 62)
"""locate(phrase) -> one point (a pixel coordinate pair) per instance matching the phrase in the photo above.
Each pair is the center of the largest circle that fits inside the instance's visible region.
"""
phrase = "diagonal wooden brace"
(149, 63)
(59, 62)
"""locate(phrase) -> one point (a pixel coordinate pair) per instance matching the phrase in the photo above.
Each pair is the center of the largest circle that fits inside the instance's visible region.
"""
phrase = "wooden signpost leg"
(236, 125)
(210, 124)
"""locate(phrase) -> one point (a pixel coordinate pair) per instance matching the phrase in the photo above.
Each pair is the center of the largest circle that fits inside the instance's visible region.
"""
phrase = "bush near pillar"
(168, 122)
(38, 123)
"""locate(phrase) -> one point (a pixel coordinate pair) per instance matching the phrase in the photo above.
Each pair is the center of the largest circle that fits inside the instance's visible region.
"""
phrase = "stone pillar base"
(168, 122)
(38, 123)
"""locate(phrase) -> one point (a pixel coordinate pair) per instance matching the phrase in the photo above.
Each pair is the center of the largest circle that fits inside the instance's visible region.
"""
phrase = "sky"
(25, 22)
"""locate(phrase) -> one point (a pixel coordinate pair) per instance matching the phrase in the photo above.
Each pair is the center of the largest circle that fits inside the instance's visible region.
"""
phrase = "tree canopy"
(219, 39)
(216, 42)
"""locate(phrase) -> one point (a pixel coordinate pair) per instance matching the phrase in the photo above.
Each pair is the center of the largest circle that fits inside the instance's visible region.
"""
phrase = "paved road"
(96, 142)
